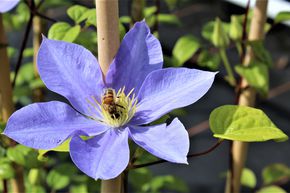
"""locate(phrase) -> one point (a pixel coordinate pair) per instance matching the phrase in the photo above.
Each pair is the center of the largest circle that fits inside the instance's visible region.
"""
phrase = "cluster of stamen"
(116, 109)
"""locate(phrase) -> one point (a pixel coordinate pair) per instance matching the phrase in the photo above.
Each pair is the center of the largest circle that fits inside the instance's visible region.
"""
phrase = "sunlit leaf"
(125, 19)
(208, 28)
(76, 12)
(257, 76)
(184, 48)
(208, 60)
(63, 31)
(91, 17)
(260, 53)
(271, 189)
(81, 188)
(36, 176)
(6, 170)
(23, 155)
(242, 123)
(248, 178)
(275, 172)
(169, 19)
(219, 36)
(36, 189)
(236, 28)
(72, 34)
(165, 183)
(148, 11)
(60, 176)
(282, 16)
(64, 147)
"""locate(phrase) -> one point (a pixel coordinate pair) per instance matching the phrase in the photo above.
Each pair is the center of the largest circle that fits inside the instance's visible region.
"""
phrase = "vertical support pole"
(108, 32)
(37, 93)
(108, 44)
(247, 96)
(6, 104)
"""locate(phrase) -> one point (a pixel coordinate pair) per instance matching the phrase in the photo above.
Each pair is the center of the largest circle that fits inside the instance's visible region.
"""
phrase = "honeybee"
(109, 103)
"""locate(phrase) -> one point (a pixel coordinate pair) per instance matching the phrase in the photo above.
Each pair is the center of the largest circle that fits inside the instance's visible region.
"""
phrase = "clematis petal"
(7, 5)
(47, 125)
(103, 157)
(139, 54)
(167, 142)
(72, 71)
(168, 89)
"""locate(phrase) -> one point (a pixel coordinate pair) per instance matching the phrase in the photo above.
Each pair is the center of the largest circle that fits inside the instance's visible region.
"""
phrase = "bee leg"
(120, 106)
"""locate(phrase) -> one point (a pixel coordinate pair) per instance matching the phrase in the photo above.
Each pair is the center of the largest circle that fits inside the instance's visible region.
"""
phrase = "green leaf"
(2, 127)
(184, 48)
(17, 154)
(36, 83)
(208, 60)
(36, 189)
(275, 172)
(59, 177)
(6, 170)
(76, 13)
(169, 19)
(122, 30)
(165, 183)
(125, 19)
(63, 31)
(25, 74)
(261, 54)
(91, 17)
(171, 3)
(272, 189)
(248, 178)
(219, 36)
(257, 76)
(149, 11)
(72, 34)
(81, 188)
(28, 52)
(208, 28)
(24, 156)
(64, 147)
(139, 177)
(236, 28)
(282, 16)
(161, 120)
(36, 176)
(242, 123)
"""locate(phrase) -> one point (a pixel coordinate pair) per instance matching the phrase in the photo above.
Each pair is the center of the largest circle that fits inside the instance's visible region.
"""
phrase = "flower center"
(116, 109)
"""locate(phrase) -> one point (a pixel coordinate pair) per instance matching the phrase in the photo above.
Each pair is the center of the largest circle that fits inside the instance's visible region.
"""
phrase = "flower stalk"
(108, 44)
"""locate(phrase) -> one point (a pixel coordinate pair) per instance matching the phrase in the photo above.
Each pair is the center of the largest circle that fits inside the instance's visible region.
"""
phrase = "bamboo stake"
(37, 93)
(108, 32)
(108, 44)
(7, 108)
(248, 96)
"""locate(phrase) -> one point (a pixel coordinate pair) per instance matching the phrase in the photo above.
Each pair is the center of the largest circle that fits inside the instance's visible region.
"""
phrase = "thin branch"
(188, 156)
(23, 45)
(45, 17)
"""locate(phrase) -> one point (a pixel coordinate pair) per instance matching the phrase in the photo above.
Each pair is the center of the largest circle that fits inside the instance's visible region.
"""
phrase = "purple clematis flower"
(7, 5)
(136, 92)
